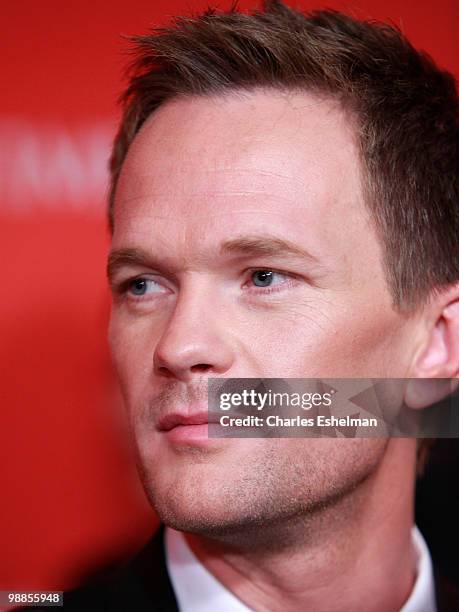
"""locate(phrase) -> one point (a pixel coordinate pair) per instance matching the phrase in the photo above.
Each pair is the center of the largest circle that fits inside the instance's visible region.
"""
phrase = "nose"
(194, 342)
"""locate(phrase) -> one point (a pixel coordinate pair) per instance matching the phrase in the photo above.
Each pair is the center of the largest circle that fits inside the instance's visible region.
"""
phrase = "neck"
(340, 558)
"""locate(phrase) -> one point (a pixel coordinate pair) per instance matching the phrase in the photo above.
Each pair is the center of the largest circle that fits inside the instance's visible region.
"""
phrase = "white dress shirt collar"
(197, 590)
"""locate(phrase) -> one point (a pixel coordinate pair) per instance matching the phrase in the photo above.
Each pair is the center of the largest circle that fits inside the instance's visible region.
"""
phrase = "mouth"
(191, 428)
(176, 419)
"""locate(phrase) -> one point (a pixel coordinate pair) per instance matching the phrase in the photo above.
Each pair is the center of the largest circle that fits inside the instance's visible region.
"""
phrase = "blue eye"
(138, 286)
(262, 278)
(142, 286)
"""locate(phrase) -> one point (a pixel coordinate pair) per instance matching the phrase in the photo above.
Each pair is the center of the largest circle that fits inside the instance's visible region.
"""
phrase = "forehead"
(203, 168)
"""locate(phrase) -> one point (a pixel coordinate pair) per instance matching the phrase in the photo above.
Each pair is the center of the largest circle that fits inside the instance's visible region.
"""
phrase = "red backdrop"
(70, 500)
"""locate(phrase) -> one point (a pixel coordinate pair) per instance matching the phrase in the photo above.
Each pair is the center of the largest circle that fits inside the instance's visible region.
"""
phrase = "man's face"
(255, 257)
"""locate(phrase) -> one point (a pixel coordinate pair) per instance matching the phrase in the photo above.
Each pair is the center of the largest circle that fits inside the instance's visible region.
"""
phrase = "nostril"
(165, 371)
(200, 367)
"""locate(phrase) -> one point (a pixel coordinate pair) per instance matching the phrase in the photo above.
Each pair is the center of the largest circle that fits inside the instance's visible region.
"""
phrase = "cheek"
(132, 348)
(335, 342)
(364, 344)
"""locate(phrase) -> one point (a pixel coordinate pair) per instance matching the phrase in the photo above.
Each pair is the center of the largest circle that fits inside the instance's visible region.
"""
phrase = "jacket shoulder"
(141, 584)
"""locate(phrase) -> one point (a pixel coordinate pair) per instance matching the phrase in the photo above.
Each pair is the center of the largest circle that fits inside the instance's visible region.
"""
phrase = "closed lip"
(175, 419)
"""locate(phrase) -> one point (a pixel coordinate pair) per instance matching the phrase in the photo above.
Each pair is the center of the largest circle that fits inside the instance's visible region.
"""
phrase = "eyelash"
(123, 288)
(270, 290)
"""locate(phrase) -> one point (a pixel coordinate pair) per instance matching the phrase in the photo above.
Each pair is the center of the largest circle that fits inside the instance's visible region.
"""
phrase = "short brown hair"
(404, 110)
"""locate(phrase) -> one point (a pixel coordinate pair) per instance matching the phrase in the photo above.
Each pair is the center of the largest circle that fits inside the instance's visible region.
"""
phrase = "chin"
(195, 510)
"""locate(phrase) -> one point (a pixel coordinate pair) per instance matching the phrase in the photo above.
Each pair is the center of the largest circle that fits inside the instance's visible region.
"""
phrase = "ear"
(438, 357)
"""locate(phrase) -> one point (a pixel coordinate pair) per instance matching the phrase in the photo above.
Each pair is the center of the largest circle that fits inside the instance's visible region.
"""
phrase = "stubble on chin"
(271, 496)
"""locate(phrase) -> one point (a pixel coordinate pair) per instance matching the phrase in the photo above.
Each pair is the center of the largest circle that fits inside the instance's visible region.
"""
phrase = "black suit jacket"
(143, 585)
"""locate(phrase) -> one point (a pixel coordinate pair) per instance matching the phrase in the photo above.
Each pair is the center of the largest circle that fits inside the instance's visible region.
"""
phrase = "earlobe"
(435, 373)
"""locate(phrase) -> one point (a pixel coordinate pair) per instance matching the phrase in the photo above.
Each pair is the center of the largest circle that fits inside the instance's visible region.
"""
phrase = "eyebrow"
(266, 245)
(126, 257)
(243, 246)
